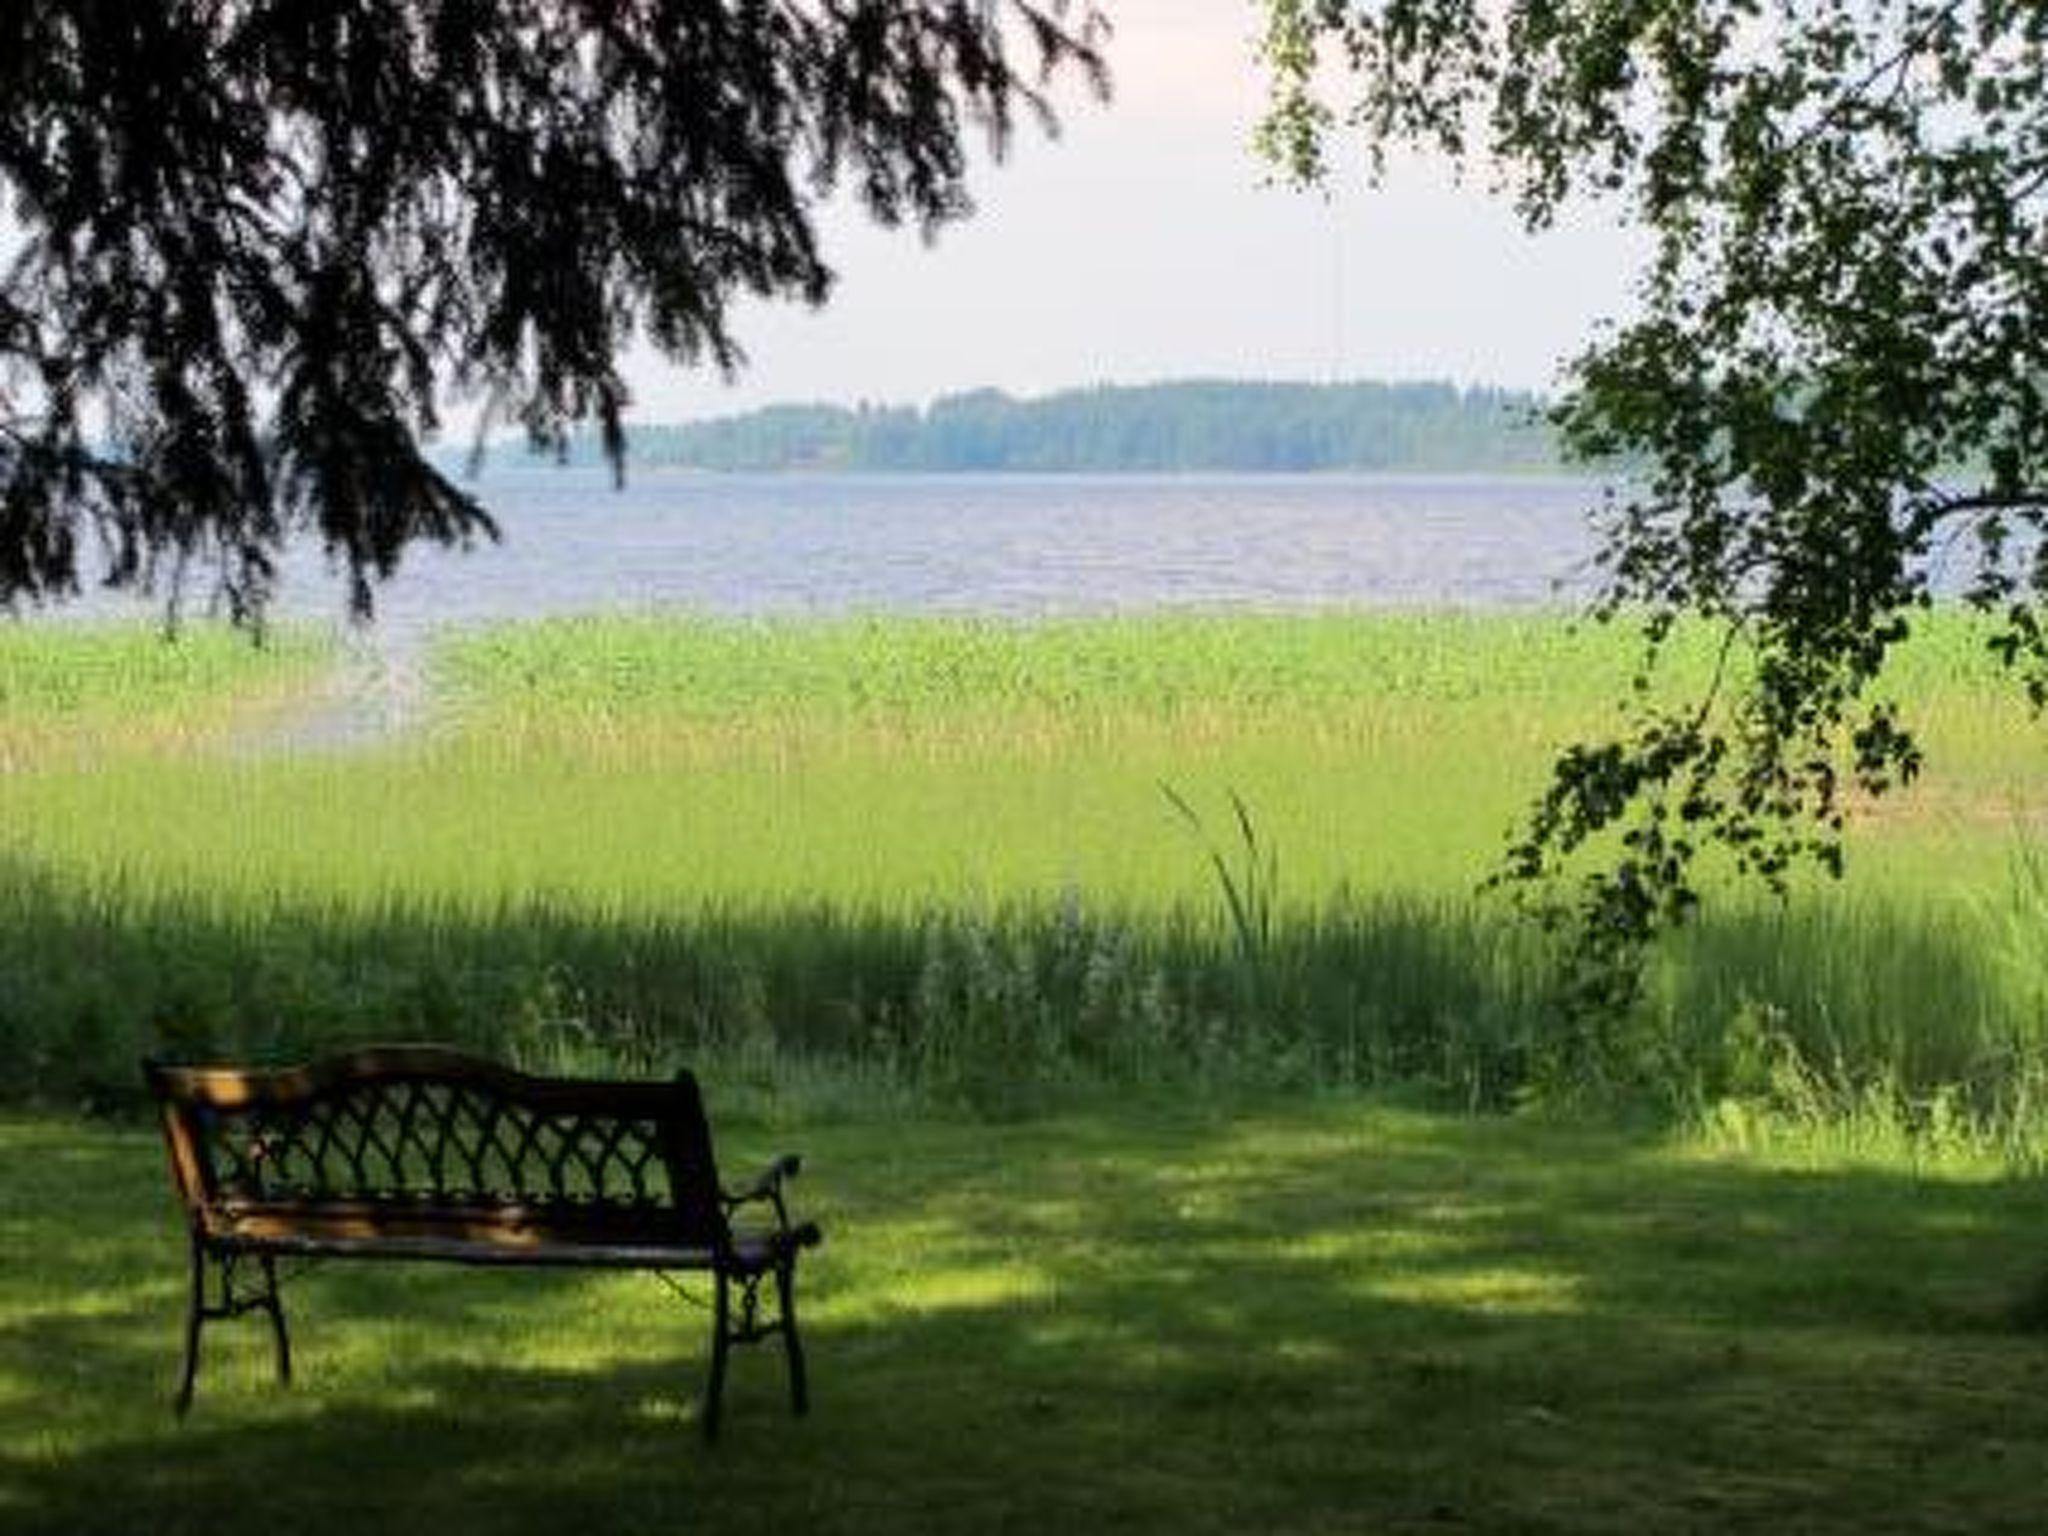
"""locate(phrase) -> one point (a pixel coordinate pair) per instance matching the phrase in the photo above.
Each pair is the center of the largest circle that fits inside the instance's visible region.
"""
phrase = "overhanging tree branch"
(264, 239)
(1846, 298)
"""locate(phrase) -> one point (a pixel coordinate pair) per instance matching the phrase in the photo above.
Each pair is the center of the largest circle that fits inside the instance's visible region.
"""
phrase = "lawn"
(1316, 1315)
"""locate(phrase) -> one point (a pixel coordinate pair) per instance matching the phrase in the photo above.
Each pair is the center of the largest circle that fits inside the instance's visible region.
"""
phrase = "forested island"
(1215, 426)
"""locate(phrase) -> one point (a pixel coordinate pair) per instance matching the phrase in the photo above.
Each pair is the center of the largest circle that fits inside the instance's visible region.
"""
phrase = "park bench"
(415, 1152)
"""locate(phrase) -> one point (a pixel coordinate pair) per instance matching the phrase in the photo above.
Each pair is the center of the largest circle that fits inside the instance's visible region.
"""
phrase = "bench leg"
(195, 1319)
(721, 1343)
(272, 1302)
(792, 1342)
(231, 1304)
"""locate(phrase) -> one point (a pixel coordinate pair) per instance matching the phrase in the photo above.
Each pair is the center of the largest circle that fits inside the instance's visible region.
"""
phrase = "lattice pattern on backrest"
(426, 1131)
(432, 1142)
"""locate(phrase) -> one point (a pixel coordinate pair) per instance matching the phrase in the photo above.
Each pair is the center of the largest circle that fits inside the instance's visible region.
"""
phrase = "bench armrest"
(767, 1184)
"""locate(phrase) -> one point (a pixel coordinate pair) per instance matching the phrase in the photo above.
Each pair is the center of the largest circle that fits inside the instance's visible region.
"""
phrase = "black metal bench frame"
(416, 1152)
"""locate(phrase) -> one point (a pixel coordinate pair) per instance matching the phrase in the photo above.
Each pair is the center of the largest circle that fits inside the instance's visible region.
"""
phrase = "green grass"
(938, 854)
(1317, 1316)
(925, 667)
(1127, 1227)
(137, 676)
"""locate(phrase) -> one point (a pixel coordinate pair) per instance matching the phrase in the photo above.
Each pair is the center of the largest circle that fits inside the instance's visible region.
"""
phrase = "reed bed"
(138, 687)
(942, 860)
(703, 667)
(70, 671)
(926, 667)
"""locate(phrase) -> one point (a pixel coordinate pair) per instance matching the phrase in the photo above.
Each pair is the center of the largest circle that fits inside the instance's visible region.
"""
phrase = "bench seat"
(498, 1234)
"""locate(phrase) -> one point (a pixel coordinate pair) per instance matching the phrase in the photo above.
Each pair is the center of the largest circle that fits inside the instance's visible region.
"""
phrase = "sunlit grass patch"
(136, 686)
(59, 671)
(708, 668)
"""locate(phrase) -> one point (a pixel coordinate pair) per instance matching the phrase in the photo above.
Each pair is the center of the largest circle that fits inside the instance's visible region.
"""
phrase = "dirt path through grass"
(373, 693)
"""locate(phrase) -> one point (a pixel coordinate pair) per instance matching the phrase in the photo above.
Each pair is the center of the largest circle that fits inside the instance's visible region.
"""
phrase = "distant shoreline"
(1190, 427)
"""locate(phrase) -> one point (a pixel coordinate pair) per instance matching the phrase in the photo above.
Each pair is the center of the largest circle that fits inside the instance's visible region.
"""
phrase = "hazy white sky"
(1143, 245)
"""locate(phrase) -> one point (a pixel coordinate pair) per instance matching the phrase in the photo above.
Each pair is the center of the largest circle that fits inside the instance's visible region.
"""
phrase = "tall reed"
(933, 858)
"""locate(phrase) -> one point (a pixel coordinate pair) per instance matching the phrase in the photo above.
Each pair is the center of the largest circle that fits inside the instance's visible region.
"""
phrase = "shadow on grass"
(1323, 1317)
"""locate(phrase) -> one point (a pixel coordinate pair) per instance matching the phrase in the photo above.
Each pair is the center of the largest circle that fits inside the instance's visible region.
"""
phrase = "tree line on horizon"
(1188, 426)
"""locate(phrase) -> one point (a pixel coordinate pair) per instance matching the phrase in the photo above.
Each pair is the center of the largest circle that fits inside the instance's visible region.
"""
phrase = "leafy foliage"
(265, 238)
(1833, 385)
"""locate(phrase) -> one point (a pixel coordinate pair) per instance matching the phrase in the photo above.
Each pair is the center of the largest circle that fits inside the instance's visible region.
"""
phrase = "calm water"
(1019, 546)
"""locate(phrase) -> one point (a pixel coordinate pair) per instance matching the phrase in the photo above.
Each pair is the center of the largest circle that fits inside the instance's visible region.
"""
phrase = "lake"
(1010, 545)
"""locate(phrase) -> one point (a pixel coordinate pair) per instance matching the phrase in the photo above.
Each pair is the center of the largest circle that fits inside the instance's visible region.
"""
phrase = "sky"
(1145, 243)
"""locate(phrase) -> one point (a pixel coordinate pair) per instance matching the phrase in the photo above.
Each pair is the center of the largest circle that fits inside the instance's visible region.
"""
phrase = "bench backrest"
(420, 1129)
